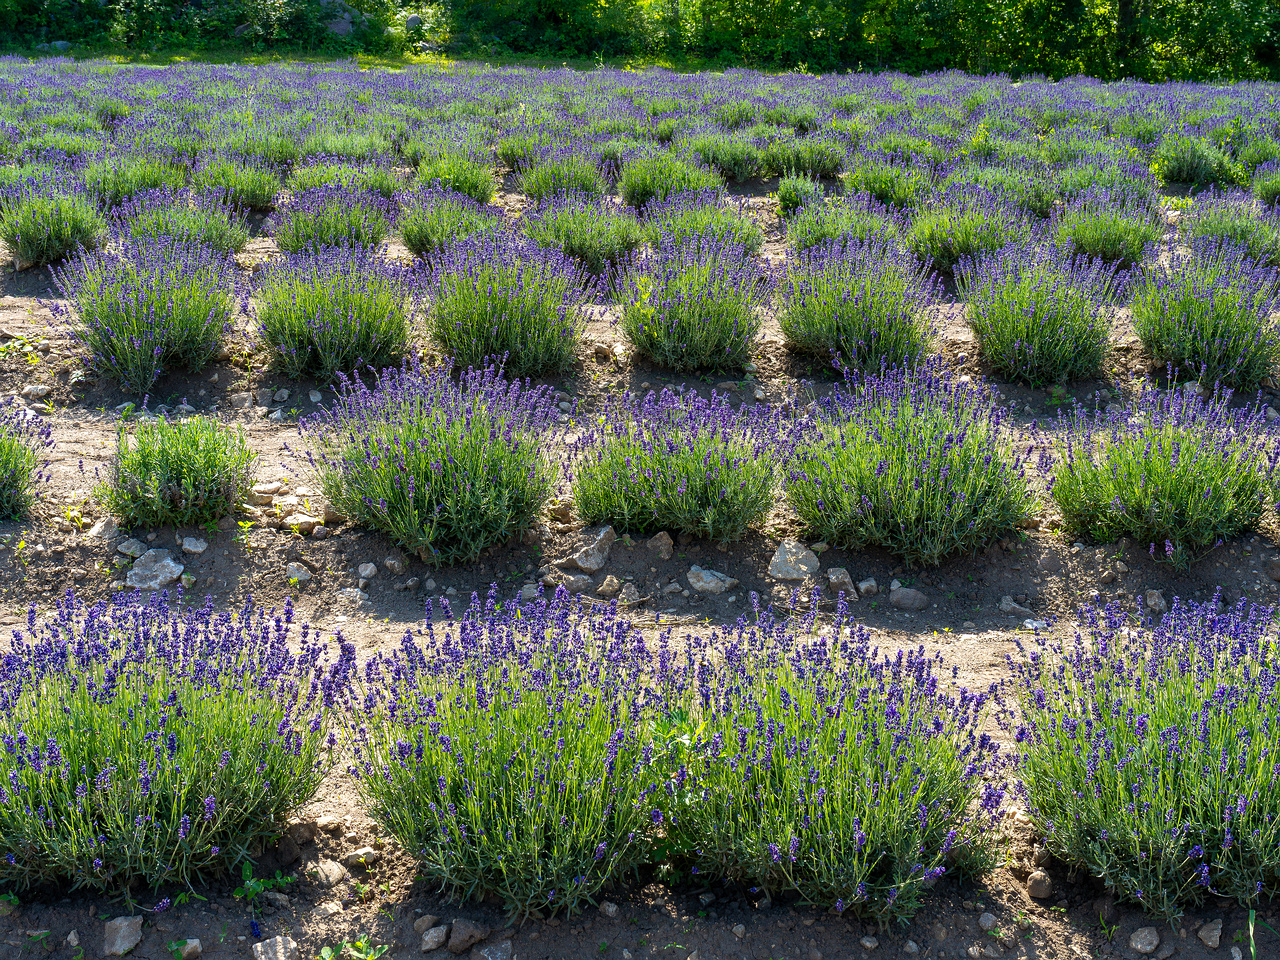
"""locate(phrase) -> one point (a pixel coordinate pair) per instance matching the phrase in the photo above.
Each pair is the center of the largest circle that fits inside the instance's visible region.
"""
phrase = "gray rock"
(869, 943)
(1144, 940)
(394, 565)
(710, 581)
(154, 570)
(368, 571)
(425, 923)
(363, 857)
(35, 391)
(610, 588)
(433, 938)
(1211, 934)
(868, 587)
(194, 545)
(121, 935)
(502, 950)
(277, 899)
(911, 948)
(62, 46)
(1156, 602)
(280, 396)
(329, 873)
(609, 909)
(629, 594)
(662, 544)
(296, 571)
(353, 594)
(464, 934)
(302, 831)
(327, 909)
(988, 921)
(1039, 886)
(315, 396)
(302, 522)
(105, 529)
(841, 582)
(287, 850)
(528, 592)
(595, 554)
(277, 948)
(241, 401)
(739, 930)
(413, 22)
(190, 949)
(793, 561)
(906, 598)
(132, 548)
(1166, 951)
(574, 583)
(1007, 605)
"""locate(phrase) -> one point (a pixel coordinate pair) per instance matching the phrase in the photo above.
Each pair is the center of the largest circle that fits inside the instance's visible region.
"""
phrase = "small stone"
(1144, 940)
(739, 930)
(1211, 934)
(868, 587)
(988, 921)
(1039, 886)
(121, 935)
(363, 857)
(1108, 576)
(911, 948)
(425, 923)
(662, 544)
(296, 572)
(194, 545)
(190, 949)
(528, 592)
(464, 934)
(609, 909)
(840, 581)
(1236, 954)
(610, 588)
(73, 939)
(35, 391)
(710, 581)
(154, 570)
(368, 571)
(1009, 606)
(693, 956)
(287, 850)
(329, 873)
(595, 554)
(327, 909)
(793, 561)
(132, 548)
(277, 899)
(277, 948)
(629, 594)
(393, 565)
(1122, 567)
(302, 832)
(906, 598)
(314, 396)
(869, 943)
(1155, 601)
(1166, 951)
(706, 898)
(280, 395)
(433, 938)
(105, 529)
(502, 950)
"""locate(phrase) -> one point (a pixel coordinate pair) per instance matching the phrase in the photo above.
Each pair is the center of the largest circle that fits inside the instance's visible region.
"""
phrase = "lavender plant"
(25, 440)
(699, 216)
(460, 174)
(347, 176)
(185, 218)
(209, 731)
(678, 463)
(562, 175)
(1209, 312)
(144, 306)
(660, 176)
(1039, 317)
(116, 179)
(796, 193)
(731, 157)
(1182, 159)
(1145, 755)
(1266, 185)
(508, 753)
(42, 228)
(839, 219)
(912, 461)
(1102, 226)
(332, 217)
(900, 187)
(238, 184)
(179, 473)
(889, 808)
(600, 236)
(945, 235)
(445, 466)
(866, 301)
(1230, 218)
(1171, 470)
(804, 157)
(337, 311)
(694, 306)
(433, 218)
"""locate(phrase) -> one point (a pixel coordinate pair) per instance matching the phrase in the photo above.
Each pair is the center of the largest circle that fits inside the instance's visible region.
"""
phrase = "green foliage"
(1236, 223)
(22, 442)
(732, 158)
(1112, 234)
(179, 473)
(837, 219)
(377, 180)
(943, 236)
(119, 178)
(1266, 187)
(803, 157)
(795, 193)
(571, 174)
(705, 217)
(190, 223)
(43, 229)
(238, 184)
(1182, 159)
(659, 177)
(432, 220)
(600, 237)
(460, 174)
(893, 186)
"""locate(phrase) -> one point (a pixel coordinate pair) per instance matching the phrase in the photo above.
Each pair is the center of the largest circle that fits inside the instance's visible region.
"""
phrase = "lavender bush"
(796, 193)
(210, 732)
(1209, 312)
(444, 466)
(867, 301)
(679, 464)
(598, 235)
(144, 306)
(695, 305)
(460, 174)
(42, 221)
(1104, 226)
(561, 175)
(1174, 471)
(1230, 218)
(116, 179)
(854, 219)
(494, 296)
(1039, 317)
(945, 235)
(433, 218)
(186, 218)
(332, 216)
(337, 311)
(1182, 159)
(25, 440)
(898, 187)
(1145, 756)
(912, 461)
(663, 175)
(346, 176)
(701, 216)
(238, 184)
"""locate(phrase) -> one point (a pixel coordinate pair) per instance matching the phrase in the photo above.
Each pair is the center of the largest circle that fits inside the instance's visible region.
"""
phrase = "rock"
(194, 545)
(280, 395)
(327, 909)
(911, 948)
(868, 587)
(412, 22)
(1272, 567)
(1166, 951)
(330, 872)
(1144, 940)
(277, 899)
(710, 581)
(304, 523)
(662, 544)
(425, 923)
(368, 571)
(363, 857)
(105, 529)
(1236, 954)
(594, 555)
(1039, 886)
(840, 581)
(465, 934)
(277, 948)
(297, 572)
(906, 598)
(132, 548)
(988, 921)
(330, 825)
(62, 46)
(433, 938)
(319, 532)
(1211, 934)
(629, 594)
(241, 401)
(739, 930)
(1007, 605)
(793, 561)
(154, 570)
(287, 850)
(189, 949)
(35, 391)
(610, 588)
(573, 583)
(302, 832)
(121, 935)
(1108, 576)
(394, 565)
(315, 396)
(73, 939)
(1122, 567)
(869, 943)
(502, 950)
(1155, 601)
(528, 592)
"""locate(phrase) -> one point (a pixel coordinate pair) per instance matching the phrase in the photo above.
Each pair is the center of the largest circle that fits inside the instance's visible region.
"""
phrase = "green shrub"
(945, 235)
(355, 179)
(180, 473)
(701, 216)
(238, 185)
(893, 186)
(807, 158)
(1181, 159)
(1266, 187)
(1101, 227)
(730, 157)
(815, 224)
(24, 439)
(433, 218)
(566, 174)
(1231, 219)
(332, 217)
(459, 174)
(659, 177)
(163, 214)
(795, 193)
(41, 228)
(119, 178)
(599, 236)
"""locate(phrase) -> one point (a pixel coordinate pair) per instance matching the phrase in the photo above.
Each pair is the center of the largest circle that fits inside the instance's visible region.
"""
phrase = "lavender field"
(733, 514)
